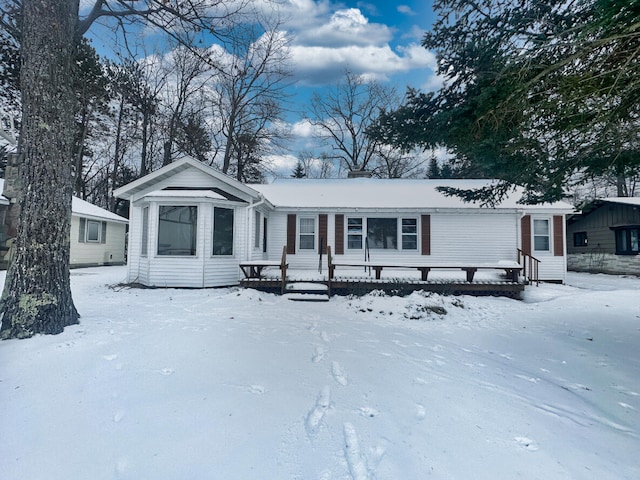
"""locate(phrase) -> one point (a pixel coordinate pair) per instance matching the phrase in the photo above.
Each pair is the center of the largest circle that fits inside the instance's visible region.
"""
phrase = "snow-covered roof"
(185, 194)
(79, 207)
(85, 209)
(624, 200)
(370, 193)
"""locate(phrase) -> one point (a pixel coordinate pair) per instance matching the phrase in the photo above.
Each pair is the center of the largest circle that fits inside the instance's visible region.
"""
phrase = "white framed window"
(177, 228)
(409, 233)
(92, 231)
(307, 233)
(541, 235)
(354, 233)
(145, 231)
(222, 231)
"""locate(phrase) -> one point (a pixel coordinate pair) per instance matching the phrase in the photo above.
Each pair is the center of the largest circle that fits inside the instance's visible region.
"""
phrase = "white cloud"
(405, 9)
(318, 65)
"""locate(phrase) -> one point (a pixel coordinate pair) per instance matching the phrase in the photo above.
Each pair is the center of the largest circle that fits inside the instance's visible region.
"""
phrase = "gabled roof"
(83, 208)
(184, 163)
(79, 207)
(371, 193)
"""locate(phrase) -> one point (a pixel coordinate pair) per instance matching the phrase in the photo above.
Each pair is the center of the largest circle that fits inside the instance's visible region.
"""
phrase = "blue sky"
(375, 38)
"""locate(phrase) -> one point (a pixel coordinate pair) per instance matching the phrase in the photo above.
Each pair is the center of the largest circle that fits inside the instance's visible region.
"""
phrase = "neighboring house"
(98, 237)
(191, 226)
(605, 237)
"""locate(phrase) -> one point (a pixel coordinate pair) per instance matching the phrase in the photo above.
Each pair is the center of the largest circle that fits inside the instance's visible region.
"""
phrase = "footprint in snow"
(167, 371)
(421, 412)
(317, 413)
(110, 357)
(318, 354)
(256, 389)
(526, 443)
(338, 374)
(118, 416)
(368, 412)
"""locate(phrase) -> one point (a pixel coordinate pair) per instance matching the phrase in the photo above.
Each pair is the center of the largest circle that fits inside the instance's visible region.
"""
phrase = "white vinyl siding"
(108, 250)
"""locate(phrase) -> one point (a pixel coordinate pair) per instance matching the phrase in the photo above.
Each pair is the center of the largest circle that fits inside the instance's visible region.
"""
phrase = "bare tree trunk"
(37, 293)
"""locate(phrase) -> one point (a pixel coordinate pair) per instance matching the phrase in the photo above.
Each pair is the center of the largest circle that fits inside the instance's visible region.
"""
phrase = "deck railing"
(530, 267)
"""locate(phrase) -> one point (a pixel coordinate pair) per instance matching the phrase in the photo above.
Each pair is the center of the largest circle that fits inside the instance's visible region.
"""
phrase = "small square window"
(580, 239)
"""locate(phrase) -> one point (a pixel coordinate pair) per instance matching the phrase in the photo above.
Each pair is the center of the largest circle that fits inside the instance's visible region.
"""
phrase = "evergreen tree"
(298, 171)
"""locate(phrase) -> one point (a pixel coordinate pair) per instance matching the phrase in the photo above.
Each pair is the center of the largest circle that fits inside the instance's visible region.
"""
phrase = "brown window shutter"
(339, 240)
(425, 222)
(322, 232)
(526, 234)
(291, 234)
(558, 236)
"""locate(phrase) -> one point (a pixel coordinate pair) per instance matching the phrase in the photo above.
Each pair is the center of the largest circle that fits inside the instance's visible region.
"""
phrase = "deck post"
(330, 269)
(283, 270)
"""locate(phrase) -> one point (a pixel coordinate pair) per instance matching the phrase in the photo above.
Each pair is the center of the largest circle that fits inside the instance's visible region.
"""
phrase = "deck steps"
(307, 292)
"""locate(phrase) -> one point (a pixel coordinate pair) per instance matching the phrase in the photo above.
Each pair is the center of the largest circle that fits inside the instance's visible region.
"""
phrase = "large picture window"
(307, 233)
(627, 240)
(222, 231)
(382, 233)
(541, 235)
(177, 228)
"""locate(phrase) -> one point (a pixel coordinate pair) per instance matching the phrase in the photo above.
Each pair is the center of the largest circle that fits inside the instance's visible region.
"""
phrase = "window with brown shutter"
(339, 240)
(291, 233)
(322, 232)
(526, 234)
(558, 235)
(425, 230)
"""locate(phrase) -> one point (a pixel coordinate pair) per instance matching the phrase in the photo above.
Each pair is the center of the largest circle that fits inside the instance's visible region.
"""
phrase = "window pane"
(307, 233)
(93, 231)
(541, 227)
(409, 225)
(177, 230)
(634, 240)
(222, 231)
(621, 241)
(307, 225)
(307, 242)
(354, 242)
(354, 233)
(409, 234)
(382, 233)
(541, 243)
(145, 230)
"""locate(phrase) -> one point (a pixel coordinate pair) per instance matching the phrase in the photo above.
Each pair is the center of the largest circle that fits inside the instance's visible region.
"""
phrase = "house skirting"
(599, 262)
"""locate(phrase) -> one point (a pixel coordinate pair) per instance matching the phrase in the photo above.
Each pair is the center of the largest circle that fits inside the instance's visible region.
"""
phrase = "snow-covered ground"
(231, 384)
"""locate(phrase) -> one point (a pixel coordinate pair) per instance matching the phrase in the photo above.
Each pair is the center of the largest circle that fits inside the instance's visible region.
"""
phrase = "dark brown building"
(605, 237)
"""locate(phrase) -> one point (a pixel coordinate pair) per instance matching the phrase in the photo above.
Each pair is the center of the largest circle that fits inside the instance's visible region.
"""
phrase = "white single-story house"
(192, 226)
(98, 236)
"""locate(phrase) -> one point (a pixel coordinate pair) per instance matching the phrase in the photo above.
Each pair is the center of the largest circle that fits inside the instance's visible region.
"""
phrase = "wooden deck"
(343, 278)
(360, 284)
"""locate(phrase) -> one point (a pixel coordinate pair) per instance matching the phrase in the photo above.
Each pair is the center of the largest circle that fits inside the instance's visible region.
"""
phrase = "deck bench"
(512, 269)
(254, 268)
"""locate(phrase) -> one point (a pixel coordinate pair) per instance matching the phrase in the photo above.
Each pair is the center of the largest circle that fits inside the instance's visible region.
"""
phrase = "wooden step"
(307, 292)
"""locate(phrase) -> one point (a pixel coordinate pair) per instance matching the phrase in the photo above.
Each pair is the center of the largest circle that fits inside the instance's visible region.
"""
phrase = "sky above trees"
(377, 39)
